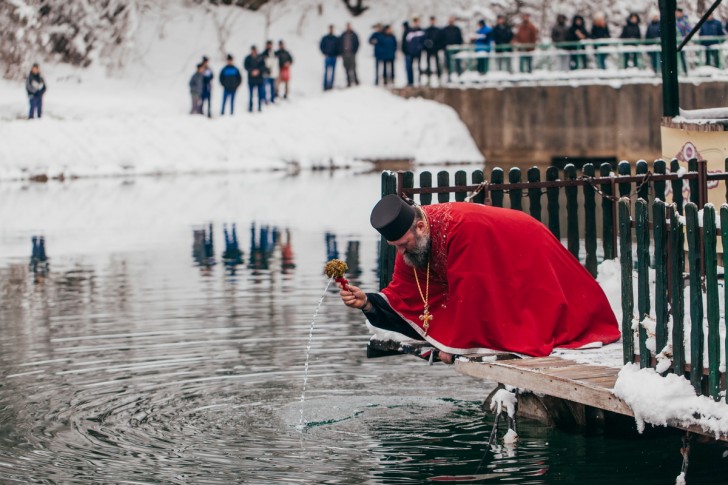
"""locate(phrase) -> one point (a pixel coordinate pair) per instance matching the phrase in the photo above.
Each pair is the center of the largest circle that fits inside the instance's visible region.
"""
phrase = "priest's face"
(414, 246)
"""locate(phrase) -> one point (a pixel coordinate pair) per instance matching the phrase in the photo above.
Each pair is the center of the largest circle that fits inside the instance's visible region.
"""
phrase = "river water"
(131, 362)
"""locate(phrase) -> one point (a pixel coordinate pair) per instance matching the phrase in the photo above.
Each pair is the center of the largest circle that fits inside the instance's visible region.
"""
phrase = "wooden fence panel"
(724, 241)
(515, 195)
(387, 253)
(496, 196)
(624, 168)
(713, 309)
(534, 194)
(552, 195)
(696, 296)
(608, 214)
(478, 177)
(677, 285)
(590, 222)
(694, 183)
(461, 180)
(443, 180)
(425, 182)
(644, 188)
(677, 187)
(572, 212)
(625, 256)
(660, 168)
(661, 273)
(642, 230)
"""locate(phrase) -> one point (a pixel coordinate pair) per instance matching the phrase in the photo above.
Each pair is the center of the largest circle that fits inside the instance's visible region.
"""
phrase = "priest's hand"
(446, 357)
(354, 297)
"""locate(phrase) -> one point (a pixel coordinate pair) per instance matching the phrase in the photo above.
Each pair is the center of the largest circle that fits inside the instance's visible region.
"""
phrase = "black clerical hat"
(392, 217)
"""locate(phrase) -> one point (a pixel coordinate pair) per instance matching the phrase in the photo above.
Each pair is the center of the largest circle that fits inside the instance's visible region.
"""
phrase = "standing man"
(451, 36)
(559, 33)
(483, 39)
(653, 34)
(412, 44)
(35, 86)
(388, 44)
(631, 30)
(207, 77)
(329, 47)
(285, 60)
(526, 34)
(683, 27)
(271, 72)
(348, 47)
(502, 37)
(711, 28)
(196, 86)
(230, 79)
(433, 46)
(255, 66)
(374, 41)
(451, 288)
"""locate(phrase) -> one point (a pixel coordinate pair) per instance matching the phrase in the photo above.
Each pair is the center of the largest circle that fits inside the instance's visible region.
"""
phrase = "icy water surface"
(132, 363)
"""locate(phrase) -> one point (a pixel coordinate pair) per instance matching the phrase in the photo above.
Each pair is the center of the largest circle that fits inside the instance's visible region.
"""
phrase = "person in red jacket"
(471, 279)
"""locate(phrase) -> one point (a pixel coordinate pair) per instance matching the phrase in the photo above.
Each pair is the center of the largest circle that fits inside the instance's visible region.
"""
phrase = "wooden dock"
(559, 381)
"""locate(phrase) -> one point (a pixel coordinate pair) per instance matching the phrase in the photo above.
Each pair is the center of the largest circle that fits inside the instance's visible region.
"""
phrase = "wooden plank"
(443, 180)
(477, 178)
(461, 179)
(590, 222)
(387, 253)
(580, 372)
(644, 191)
(515, 195)
(642, 230)
(694, 183)
(660, 168)
(713, 310)
(677, 285)
(624, 169)
(625, 257)
(608, 209)
(606, 382)
(677, 186)
(542, 362)
(696, 296)
(661, 273)
(496, 196)
(724, 241)
(552, 196)
(572, 212)
(425, 181)
(534, 194)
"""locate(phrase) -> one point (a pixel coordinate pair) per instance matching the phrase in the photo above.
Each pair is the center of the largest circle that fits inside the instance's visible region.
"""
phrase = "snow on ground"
(136, 121)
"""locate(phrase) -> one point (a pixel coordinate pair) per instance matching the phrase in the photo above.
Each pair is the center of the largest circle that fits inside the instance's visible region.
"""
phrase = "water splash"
(301, 425)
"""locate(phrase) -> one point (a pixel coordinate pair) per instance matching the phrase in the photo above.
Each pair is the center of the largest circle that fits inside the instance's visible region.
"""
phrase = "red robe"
(499, 280)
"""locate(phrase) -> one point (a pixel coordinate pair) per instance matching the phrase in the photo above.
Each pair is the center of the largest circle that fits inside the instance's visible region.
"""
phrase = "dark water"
(131, 363)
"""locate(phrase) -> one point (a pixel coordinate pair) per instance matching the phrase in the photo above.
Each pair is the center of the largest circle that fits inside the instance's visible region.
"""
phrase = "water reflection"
(126, 365)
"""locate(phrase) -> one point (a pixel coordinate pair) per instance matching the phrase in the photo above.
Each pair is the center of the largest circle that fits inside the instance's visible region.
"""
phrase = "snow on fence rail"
(619, 193)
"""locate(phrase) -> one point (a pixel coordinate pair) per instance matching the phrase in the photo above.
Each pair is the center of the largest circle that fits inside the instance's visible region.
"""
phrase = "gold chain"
(426, 316)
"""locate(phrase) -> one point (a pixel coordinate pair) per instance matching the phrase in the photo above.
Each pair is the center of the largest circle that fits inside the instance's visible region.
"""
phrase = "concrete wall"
(530, 125)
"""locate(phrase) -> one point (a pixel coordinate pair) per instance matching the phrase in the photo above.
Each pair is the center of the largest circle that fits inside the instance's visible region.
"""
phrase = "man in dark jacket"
(35, 86)
(653, 34)
(451, 36)
(207, 77)
(329, 47)
(388, 46)
(600, 30)
(374, 41)
(433, 46)
(196, 86)
(285, 60)
(230, 79)
(577, 33)
(711, 28)
(348, 47)
(255, 66)
(631, 30)
(412, 44)
(502, 37)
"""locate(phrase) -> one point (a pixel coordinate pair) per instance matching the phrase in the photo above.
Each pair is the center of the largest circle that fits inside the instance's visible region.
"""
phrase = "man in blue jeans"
(35, 87)
(330, 49)
(255, 66)
(230, 79)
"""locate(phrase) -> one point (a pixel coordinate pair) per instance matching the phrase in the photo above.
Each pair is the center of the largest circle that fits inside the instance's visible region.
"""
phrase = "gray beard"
(419, 256)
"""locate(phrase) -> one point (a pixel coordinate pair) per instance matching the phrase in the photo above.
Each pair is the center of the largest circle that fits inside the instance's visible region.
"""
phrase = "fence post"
(572, 212)
(443, 180)
(694, 183)
(515, 195)
(677, 284)
(425, 182)
(387, 253)
(661, 274)
(713, 309)
(609, 214)
(625, 257)
(478, 178)
(590, 222)
(660, 168)
(624, 168)
(552, 195)
(696, 297)
(724, 242)
(534, 194)
(461, 179)
(642, 229)
(496, 177)
(644, 190)
(677, 186)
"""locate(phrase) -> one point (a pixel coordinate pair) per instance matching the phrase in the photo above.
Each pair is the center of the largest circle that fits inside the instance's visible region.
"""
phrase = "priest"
(471, 279)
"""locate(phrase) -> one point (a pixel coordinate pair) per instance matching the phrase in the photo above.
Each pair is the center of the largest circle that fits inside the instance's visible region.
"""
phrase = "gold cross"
(426, 317)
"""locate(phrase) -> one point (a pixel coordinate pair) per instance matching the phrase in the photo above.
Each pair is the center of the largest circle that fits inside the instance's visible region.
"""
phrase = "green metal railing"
(597, 54)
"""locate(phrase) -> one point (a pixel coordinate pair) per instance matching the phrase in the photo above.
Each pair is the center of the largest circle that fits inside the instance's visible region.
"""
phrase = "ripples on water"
(130, 364)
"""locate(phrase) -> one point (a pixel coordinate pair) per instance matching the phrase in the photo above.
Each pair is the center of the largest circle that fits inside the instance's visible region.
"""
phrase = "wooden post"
(461, 179)
(660, 168)
(677, 303)
(696, 297)
(515, 195)
(694, 183)
(478, 178)
(534, 195)
(590, 222)
(644, 190)
(387, 253)
(443, 180)
(642, 229)
(724, 242)
(677, 186)
(609, 211)
(572, 212)
(425, 182)
(661, 274)
(624, 168)
(713, 310)
(496, 177)
(625, 257)
(552, 196)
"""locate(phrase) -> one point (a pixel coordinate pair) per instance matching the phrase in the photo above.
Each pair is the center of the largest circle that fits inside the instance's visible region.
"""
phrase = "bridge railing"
(588, 58)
